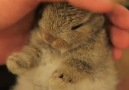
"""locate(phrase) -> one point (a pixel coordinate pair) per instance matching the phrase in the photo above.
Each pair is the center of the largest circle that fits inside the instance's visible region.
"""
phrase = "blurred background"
(123, 71)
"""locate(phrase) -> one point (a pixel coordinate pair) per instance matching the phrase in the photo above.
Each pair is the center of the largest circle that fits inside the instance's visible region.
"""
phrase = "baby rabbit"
(69, 50)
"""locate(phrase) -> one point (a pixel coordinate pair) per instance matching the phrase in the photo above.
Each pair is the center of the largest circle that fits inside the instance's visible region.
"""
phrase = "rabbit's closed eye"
(77, 26)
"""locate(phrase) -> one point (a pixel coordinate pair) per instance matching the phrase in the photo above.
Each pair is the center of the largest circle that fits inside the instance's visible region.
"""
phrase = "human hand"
(16, 22)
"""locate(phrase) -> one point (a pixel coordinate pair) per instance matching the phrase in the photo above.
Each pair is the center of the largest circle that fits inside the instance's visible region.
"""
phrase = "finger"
(120, 17)
(98, 6)
(10, 13)
(52, 0)
(117, 54)
(119, 38)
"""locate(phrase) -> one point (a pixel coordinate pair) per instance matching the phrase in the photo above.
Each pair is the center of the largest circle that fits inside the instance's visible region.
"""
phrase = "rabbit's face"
(66, 27)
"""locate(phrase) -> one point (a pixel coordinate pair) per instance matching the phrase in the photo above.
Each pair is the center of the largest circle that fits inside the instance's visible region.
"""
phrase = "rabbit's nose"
(57, 42)
(47, 38)
(60, 44)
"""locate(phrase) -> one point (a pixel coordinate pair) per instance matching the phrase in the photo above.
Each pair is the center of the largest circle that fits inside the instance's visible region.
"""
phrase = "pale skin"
(17, 20)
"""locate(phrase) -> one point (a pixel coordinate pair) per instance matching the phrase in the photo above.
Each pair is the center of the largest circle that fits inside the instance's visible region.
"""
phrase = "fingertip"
(119, 38)
(117, 54)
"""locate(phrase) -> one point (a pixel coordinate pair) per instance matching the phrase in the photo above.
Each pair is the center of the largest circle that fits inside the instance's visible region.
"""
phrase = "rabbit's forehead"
(65, 12)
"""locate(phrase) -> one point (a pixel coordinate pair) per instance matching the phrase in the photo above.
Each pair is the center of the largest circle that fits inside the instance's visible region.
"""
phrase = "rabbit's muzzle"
(55, 42)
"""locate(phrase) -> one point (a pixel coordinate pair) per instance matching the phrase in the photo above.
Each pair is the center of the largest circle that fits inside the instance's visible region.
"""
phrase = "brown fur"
(68, 51)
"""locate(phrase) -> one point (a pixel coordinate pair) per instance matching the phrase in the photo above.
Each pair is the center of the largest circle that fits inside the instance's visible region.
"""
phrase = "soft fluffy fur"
(68, 51)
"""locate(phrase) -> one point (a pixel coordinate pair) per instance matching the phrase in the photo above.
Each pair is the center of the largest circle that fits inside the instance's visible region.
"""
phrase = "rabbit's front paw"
(15, 64)
(61, 80)
(62, 77)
